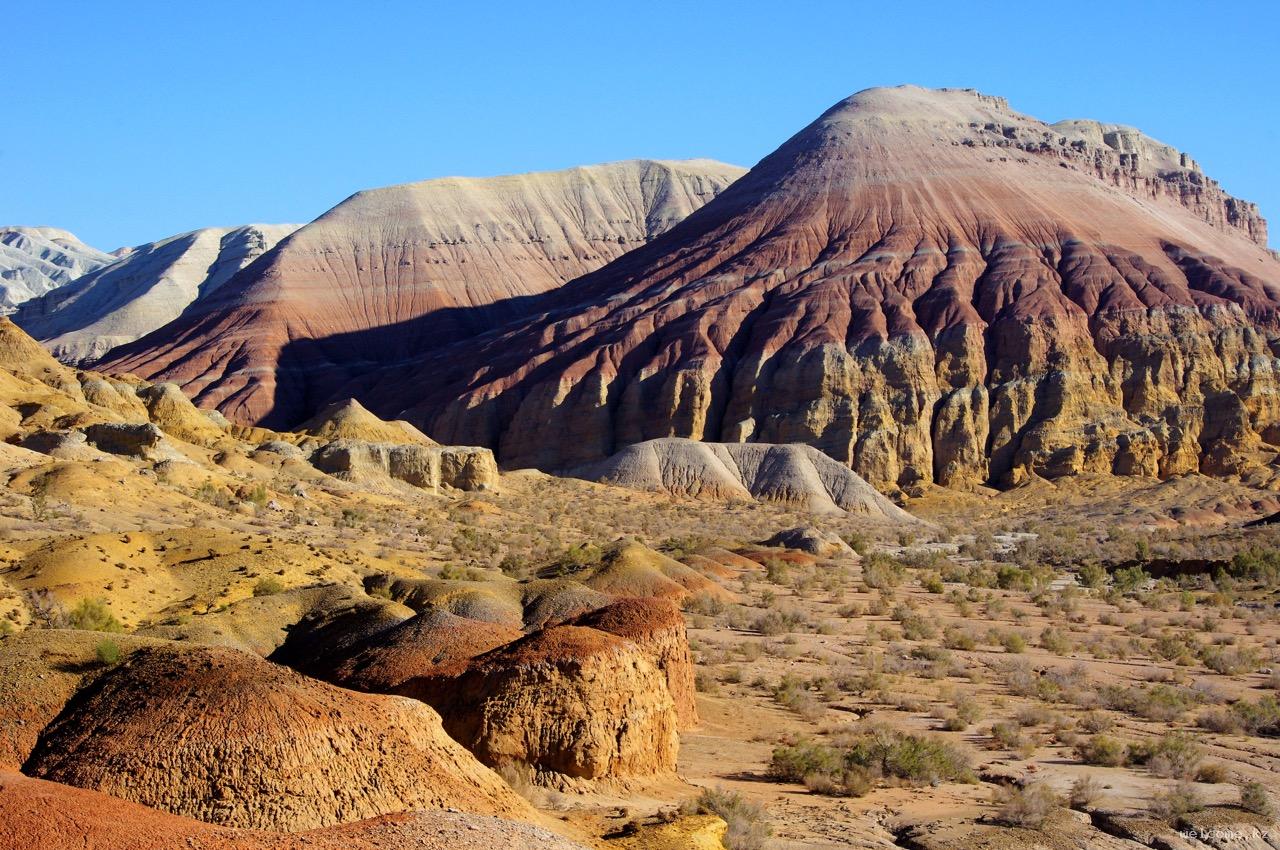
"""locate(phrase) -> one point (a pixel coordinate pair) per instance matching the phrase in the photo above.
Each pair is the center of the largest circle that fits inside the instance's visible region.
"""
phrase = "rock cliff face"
(657, 627)
(428, 467)
(573, 703)
(924, 285)
(464, 253)
(109, 305)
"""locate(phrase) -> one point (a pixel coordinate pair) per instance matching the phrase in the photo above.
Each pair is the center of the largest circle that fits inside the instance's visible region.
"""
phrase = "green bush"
(1008, 735)
(1258, 718)
(1085, 793)
(776, 571)
(108, 653)
(1175, 756)
(794, 762)
(1013, 642)
(1128, 580)
(1231, 660)
(852, 782)
(858, 542)
(93, 615)
(850, 767)
(904, 755)
(1256, 564)
(1254, 798)
(1182, 799)
(1103, 750)
(268, 586)
(1159, 702)
(880, 571)
(954, 637)
(1055, 641)
(1009, 577)
(1092, 575)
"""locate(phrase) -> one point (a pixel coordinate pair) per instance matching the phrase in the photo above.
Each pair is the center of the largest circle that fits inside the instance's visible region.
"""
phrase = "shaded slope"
(36, 260)
(926, 286)
(388, 255)
(146, 288)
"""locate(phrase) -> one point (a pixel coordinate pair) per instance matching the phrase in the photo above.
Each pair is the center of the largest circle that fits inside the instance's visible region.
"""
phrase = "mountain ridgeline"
(925, 285)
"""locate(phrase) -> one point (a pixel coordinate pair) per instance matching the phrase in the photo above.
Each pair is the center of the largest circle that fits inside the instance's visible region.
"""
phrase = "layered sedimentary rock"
(228, 738)
(40, 815)
(926, 286)
(571, 702)
(463, 253)
(108, 305)
(796, 475)
(348, 420)
(36, 260)
(657, 627)
(428, 467)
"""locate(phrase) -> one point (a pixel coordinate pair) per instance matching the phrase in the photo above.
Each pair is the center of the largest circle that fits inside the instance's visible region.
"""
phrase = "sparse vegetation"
(108, 653)
(1025, 806)
(1255, 798)
(1181, 799)
(748, 822)
(93, 615)
(267, 586)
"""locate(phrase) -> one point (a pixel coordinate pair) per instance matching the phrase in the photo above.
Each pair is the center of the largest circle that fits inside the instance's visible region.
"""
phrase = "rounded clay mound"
(40, 671)
(548, 601)
(636, 570)
(348, 420)
(432, 639)
(491, 601)
(227, 738)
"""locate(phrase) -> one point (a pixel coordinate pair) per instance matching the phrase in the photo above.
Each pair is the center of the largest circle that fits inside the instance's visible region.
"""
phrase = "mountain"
(464, 253)
(145, 288)
(35, 260)
(925, 285)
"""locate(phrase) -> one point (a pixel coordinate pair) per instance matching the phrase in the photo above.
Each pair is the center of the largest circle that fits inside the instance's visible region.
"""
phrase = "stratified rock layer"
(428, 467)
(573, 703)
(657, 627)
(109, 305)
(924, 285)
(228, 738)
(36, 260)
(796, 475)
(465, 253)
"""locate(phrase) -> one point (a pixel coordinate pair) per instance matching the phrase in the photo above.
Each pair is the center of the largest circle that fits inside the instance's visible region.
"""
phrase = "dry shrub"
(748, 823)
(1027, 806)
(1085, 793)
(1182, 799)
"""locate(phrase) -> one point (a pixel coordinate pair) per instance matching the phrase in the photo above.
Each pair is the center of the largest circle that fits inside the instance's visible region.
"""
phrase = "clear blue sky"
(131, 121)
